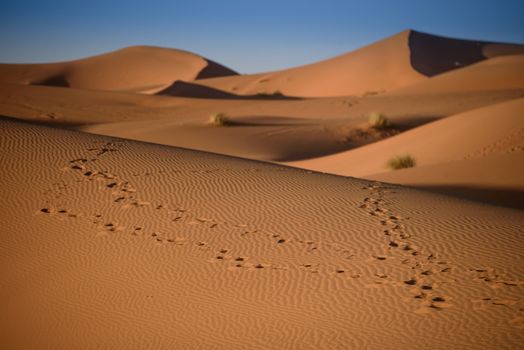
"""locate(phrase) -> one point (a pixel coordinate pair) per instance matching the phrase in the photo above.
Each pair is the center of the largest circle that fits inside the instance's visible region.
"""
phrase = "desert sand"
(132, 222)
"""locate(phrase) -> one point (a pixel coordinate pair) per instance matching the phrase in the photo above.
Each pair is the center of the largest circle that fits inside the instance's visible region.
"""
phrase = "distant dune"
(401, 60)
(143, 69)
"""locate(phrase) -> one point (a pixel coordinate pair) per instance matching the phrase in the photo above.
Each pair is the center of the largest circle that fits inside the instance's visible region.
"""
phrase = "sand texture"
(119, 244)
(133, 217)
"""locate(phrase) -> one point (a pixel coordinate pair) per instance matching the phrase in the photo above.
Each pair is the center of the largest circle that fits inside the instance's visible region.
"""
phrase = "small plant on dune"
(219, 119)
(402, 162)
(378, 121)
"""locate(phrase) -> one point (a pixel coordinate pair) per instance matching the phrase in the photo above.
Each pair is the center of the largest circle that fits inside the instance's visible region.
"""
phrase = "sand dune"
(401, 60)
(476, 134)
(500, 73)
(493, 129)
(372, 69)
(264, 129)
(142, 69)
(119, 244)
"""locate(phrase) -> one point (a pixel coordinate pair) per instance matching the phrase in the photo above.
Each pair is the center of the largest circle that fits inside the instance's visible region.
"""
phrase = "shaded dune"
(53, 80)
(500, 196)
(493, 74)
(186, 89)
(191, 89)
(213, 70)
(432, 54)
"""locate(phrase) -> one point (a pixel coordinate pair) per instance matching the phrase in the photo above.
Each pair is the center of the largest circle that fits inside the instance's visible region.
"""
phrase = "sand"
(131, 222)
(120, 244)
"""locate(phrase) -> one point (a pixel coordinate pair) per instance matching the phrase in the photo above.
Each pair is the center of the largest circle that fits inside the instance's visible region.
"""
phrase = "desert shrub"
(378, 121)
(219, 119)
(402, 162)
(276, 93)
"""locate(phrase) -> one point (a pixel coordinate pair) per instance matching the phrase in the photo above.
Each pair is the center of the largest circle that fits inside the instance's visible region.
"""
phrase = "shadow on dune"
(214, 70)
(57, 80)
(192, 90)
(61, 124)
(269, 121)
(503, 197)
(432, 54)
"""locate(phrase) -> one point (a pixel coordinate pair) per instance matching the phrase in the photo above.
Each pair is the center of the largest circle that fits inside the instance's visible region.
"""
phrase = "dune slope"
(120, 244)
(143, 69)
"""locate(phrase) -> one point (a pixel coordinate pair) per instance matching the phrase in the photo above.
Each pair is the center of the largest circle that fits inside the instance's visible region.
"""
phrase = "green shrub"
(378, 121)
(219, 119)
(402, 162)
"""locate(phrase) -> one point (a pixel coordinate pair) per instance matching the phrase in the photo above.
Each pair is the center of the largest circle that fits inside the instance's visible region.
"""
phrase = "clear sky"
(246, 35)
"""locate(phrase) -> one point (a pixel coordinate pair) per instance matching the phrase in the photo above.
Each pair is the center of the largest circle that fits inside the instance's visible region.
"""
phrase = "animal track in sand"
(60, 212)
(505, 288)
(398, 244)
(429, 270)
(125, 196)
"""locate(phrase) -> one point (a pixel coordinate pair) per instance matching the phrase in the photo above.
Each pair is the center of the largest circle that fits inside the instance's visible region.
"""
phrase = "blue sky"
(246, 35)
